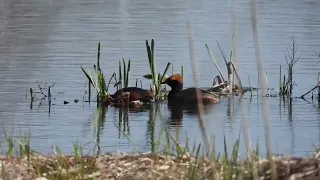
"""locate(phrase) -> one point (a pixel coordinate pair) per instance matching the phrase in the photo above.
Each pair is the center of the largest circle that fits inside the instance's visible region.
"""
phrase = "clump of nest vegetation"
(153, 166)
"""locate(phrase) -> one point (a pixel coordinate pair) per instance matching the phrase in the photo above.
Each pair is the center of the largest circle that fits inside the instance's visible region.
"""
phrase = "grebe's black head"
(175, 82)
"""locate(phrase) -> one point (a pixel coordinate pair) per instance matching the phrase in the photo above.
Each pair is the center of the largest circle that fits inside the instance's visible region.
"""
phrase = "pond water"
(48, 41)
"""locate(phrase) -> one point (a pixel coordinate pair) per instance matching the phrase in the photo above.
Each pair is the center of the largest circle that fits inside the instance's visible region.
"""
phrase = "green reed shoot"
(82, 163)
(280, 83)
(181, 71)
(231, 170)
(152, 63)
(97, 80)
(76, 151)
(23, 147)
(10, 142)
(124, 73)
(120, 76)
(156, 78)
(98, 57)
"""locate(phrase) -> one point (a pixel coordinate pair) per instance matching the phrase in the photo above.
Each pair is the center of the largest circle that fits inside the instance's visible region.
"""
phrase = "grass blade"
(182, 72)
(120, 74)
(98, 57)
(165, 71)
(128, 71)
(88, 77)
(153, 62)
(124, 73)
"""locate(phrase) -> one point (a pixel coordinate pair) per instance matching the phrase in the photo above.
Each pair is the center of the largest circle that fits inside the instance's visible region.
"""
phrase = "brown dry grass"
(149, 166)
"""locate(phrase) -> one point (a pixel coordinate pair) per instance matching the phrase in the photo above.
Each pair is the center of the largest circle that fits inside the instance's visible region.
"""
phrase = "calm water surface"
(48, 41)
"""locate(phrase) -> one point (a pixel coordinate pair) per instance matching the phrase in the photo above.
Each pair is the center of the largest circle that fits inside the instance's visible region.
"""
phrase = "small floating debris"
(65, 102)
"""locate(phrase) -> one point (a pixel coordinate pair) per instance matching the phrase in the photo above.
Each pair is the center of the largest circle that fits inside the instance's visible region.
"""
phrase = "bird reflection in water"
(178, 111)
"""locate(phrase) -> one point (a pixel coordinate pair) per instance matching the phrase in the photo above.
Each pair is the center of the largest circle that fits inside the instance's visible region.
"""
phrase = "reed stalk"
(157, 78)
(280, 83)
(124, 74)
(196, 80)
(244, 121)
(181, 71)
(97, 80)
(263, 89)
(214, 61)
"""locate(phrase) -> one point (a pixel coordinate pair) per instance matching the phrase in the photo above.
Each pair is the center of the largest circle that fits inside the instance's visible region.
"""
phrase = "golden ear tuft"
(176, 77)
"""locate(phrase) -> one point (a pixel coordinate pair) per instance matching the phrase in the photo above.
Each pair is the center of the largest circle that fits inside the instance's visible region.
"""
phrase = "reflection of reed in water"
(124, 114)
(154, 110)
(100, 117)
(124, 121)
(230, 108)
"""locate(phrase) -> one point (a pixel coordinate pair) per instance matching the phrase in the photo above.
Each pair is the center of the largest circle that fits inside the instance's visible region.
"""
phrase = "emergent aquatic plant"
(157, 78)
(97, 80)
(124, 76)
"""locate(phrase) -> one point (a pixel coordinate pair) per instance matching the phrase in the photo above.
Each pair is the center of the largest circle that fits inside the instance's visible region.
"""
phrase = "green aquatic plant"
(124, 74)
(157, 78)
(181, 71)
(97, 80)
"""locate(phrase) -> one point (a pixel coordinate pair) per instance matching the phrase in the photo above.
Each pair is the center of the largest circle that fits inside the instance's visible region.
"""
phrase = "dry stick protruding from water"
(49, 98)
(291, 59)
(302, 96)
(263, 89)
(196, 80)
(229, 65)
(235, 49)
(215, 62)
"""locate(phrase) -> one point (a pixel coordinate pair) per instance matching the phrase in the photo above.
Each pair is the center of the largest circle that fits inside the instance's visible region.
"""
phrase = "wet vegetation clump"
(121, 80)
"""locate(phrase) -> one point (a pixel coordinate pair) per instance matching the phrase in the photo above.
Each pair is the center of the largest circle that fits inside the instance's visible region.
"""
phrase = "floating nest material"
(150, 166)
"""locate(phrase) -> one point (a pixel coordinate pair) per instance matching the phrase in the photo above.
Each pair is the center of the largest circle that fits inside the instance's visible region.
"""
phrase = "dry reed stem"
(196, 81)
(244, 113)
(262, 79)
(235, 55)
